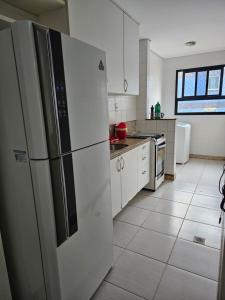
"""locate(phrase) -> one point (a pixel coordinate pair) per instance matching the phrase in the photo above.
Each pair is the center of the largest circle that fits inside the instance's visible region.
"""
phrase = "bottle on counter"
(152, 112)
(157, 110)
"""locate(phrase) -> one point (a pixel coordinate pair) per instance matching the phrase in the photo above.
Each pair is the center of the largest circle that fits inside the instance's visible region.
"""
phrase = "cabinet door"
(115, 186)
(129, 175)
(113, 45)
(131, 56)
(143, 165)
(100, 23)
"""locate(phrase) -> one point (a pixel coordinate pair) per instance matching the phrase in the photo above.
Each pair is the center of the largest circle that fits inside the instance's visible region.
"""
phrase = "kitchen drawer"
(143, 165)
(143, 177)
(144, 150)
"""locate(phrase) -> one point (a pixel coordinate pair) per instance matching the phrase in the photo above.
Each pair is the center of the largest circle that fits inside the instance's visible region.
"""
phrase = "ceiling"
(36, 7)
(4, 24)
(171, 23)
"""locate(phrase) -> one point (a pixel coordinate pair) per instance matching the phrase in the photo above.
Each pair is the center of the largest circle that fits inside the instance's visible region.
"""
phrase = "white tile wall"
(121, 109)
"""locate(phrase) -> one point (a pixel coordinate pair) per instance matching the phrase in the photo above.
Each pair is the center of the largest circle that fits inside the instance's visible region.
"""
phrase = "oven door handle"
(161, 146)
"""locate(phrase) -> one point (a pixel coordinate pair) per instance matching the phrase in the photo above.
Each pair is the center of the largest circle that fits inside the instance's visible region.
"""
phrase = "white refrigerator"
(55, 208)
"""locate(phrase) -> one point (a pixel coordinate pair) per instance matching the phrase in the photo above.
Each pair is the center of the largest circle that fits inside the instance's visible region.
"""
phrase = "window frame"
(202, 97)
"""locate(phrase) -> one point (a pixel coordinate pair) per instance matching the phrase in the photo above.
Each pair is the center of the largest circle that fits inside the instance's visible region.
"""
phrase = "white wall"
(150, 78)
(208, 131)
(156, 79)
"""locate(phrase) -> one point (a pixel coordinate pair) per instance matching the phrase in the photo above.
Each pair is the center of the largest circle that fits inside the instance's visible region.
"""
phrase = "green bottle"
(157, 110)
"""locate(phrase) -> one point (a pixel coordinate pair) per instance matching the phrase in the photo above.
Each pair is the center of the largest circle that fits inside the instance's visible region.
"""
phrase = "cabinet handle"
(144, 158)
(118, 165)
(143, 147)
(123, 163)
(125, 85)
(144, 172)
(116, 106)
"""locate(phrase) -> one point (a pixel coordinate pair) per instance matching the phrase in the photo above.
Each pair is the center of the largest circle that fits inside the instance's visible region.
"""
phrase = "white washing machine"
(183, 139)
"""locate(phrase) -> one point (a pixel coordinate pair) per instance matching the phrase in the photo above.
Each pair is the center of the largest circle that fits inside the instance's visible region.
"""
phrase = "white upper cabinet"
(100, 23)
(104, 25)
(131, 56)
(113, 37)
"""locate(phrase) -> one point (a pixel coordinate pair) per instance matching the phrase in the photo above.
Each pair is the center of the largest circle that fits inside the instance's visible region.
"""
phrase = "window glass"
(214, 82)
(200, 90)
(189, 84)
(179, 84)
(223, 87)
(201, 83)
(201, 106)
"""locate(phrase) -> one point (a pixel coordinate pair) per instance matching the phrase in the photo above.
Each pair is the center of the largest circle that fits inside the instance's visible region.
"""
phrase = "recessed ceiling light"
(190, 43)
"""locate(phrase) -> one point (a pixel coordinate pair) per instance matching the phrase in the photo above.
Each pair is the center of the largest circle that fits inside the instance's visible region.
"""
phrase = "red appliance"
(121, 130)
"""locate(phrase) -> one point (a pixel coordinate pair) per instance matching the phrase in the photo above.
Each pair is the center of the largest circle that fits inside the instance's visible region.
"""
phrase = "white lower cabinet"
(129, 174)
(115, 186)
(143, 165)
(129, 178)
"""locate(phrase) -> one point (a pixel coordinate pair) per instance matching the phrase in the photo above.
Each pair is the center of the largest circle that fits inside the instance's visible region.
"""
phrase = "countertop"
(131, 142)
(162, 119)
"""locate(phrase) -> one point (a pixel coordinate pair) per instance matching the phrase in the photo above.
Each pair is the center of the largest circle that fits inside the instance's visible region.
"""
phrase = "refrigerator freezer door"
(28, 77)
(85, 76)
(86, 257)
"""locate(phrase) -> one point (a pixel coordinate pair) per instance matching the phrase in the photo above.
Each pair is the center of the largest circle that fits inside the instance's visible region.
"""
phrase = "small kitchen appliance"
(121, 130)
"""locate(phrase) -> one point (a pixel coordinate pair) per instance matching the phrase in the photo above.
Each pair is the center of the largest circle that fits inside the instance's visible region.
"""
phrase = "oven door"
(160, 160)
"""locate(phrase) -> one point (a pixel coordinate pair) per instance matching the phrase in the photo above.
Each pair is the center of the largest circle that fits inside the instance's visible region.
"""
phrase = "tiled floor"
(155, 257)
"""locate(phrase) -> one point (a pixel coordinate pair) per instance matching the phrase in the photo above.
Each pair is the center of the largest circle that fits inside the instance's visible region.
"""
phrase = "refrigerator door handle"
(64, 197)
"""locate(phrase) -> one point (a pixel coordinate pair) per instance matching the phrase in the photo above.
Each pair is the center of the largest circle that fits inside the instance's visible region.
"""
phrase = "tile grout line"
(167, 262)
(177, 237)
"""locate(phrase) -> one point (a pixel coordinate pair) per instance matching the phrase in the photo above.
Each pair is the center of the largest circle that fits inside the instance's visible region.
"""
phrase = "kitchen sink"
(115, 147)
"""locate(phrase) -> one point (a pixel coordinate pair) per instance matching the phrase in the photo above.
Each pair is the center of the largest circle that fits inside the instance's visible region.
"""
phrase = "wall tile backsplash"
(122, 109)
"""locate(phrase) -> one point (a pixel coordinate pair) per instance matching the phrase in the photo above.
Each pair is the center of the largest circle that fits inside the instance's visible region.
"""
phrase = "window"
(200, 91)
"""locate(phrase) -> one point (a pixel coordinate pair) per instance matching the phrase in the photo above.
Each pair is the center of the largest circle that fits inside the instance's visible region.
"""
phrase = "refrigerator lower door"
(86, 257)
(42, 185)
(5, 293)
(86, 90)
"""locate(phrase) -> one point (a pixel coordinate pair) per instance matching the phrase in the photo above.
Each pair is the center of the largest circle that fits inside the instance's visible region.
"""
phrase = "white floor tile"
(152, 244)
(142, 194)
(177, 284)
(145, 202)
(178, 196)
(206, 201)
(123, 233)
(201, 260)
(108, 291)
(203, 215)
(138, 274)
(163, 223)
(211, 234)
(184, 186)
(133, 215)
(208, 190)
(171, 208)
(117, 251)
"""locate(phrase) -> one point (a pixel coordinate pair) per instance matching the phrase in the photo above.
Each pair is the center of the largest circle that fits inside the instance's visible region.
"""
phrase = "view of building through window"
(200, 90)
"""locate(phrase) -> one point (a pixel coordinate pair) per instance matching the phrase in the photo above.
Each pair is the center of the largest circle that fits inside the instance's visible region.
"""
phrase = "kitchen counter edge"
(131, 142)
